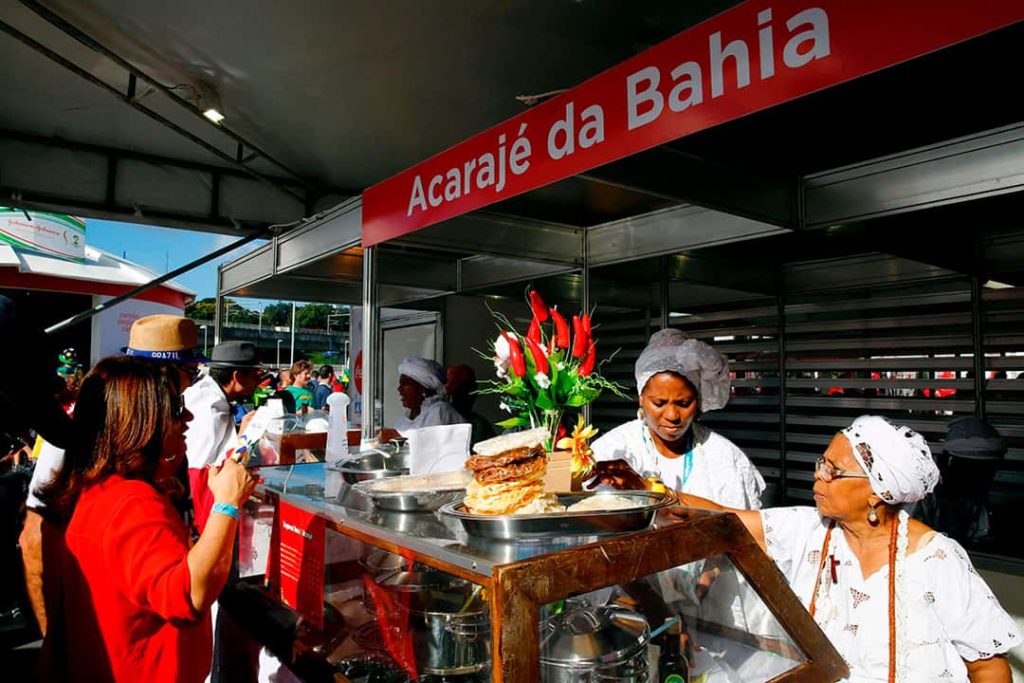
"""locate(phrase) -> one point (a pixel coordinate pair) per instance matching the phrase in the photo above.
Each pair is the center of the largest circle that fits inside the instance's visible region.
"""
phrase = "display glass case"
(404, 595)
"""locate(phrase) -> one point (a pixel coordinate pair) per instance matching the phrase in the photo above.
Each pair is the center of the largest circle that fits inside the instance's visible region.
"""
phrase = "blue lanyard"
(687, 457)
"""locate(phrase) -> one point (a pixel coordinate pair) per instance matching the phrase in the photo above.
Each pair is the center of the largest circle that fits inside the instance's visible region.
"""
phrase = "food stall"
(579, 596)
(793, 223)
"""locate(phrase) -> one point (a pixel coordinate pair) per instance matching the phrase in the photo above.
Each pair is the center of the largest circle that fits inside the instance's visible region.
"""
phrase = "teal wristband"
(226, 509)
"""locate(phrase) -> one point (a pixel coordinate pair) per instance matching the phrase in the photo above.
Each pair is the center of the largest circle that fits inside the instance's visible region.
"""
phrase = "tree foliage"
(202, 309)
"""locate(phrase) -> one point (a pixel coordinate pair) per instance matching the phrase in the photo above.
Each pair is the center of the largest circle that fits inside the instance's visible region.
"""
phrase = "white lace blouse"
(950, 613)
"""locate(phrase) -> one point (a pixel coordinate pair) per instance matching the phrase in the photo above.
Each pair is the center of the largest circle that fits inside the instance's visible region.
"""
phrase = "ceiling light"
(995, 284)
(206, 100)
(213, 115)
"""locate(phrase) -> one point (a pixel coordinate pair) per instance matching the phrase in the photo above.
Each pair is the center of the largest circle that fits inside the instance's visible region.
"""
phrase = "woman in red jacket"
(136, 596)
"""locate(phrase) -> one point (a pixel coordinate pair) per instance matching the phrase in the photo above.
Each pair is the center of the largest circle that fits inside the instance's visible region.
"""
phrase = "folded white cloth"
(443, 448)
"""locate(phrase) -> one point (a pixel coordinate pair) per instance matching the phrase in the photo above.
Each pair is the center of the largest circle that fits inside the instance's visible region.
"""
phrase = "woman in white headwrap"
(421, 386)
(679, 379)
(845, 558)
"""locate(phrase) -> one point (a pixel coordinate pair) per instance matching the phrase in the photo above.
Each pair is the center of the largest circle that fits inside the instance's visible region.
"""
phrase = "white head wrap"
(897, 460)
(707, 370)
(428, 373)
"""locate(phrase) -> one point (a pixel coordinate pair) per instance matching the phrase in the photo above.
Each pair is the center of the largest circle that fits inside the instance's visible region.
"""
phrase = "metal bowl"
(599, 523)
(416, 493)
(366, 467)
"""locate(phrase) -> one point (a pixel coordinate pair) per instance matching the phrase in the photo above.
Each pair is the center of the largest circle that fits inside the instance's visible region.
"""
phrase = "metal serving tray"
(512, 527)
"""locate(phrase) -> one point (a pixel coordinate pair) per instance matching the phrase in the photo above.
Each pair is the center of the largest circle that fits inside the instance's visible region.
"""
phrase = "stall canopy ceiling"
(342, 95)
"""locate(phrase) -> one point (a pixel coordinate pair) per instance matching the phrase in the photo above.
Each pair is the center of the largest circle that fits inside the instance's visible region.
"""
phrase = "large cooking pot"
(447, 620)
(592, 644)
(450, 641)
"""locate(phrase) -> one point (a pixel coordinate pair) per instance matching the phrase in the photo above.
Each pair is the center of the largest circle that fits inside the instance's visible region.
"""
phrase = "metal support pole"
(291, 356)
(663, 302)
(781, 336)
(587, 304)
(218, 303)
(978, 345)
(371, 345)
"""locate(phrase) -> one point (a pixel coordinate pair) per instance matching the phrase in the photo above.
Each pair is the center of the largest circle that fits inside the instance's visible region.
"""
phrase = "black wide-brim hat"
(974, 439)
(234, 354)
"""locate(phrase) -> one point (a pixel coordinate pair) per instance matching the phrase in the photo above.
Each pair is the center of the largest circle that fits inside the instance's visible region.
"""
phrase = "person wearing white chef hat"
(421, 386)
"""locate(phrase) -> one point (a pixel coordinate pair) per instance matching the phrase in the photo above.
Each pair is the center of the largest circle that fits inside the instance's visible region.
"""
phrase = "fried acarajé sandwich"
(508, 475)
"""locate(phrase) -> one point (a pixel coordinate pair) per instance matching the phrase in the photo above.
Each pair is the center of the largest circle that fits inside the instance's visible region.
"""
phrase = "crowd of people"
(136, 496)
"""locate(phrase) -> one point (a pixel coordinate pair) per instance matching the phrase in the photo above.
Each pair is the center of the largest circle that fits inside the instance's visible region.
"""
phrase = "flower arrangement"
(547, 371)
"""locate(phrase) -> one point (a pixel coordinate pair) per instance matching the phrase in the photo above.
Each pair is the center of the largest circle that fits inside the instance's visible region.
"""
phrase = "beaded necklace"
(899, 540)
(687, 456)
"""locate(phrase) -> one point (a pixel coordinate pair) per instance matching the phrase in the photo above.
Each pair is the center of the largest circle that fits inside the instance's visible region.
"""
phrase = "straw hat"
(164, 337)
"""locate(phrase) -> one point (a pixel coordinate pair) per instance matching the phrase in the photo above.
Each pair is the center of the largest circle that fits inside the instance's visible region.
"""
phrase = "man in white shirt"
(233, 375)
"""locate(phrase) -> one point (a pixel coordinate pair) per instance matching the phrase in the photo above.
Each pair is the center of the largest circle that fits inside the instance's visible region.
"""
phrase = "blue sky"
(163, 249)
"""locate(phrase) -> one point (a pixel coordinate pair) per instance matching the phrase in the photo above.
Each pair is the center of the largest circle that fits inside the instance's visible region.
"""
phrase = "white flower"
(504, 406)
(542, 380)
(501, 348)
(501, 368)
(560, 365)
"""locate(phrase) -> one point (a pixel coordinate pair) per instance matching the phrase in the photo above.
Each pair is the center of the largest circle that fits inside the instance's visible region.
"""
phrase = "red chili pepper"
(515, 355)
(540, 309)
(539, 359)
(579, 340)
(586, 325)
(587, 365)
(534, 331)
(561, 329)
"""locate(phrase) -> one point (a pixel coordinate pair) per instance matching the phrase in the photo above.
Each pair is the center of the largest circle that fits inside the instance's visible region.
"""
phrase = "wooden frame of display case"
(519, 589)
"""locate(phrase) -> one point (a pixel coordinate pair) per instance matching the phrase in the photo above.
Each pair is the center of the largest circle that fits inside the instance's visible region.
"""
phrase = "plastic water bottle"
(337, 427)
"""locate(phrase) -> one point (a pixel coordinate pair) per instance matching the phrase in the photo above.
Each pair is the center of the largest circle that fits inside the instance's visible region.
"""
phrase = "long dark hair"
(124, 409)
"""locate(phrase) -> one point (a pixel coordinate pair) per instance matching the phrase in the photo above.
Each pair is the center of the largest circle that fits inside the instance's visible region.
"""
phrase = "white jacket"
(211, 433)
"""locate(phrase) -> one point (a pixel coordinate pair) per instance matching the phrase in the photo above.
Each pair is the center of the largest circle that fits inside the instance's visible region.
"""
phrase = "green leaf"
(544, 401)
(510, 423)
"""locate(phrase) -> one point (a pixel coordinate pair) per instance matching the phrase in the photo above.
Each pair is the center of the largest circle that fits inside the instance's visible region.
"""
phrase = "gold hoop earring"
(872, 515)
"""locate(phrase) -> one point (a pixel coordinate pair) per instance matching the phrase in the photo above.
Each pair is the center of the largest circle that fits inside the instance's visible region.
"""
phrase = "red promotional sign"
(358, 372)
(300, 561)
(749, 58)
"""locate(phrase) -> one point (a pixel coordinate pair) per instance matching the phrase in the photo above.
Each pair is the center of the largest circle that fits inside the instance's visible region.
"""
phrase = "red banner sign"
(300, 561)
(749, 58)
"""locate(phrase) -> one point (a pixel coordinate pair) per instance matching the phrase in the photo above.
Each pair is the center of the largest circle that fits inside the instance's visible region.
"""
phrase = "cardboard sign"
(300, 561)
(746, 59)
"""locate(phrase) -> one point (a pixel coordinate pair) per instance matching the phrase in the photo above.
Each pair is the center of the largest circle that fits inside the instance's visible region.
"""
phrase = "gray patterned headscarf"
(897, 460)
(670, 350)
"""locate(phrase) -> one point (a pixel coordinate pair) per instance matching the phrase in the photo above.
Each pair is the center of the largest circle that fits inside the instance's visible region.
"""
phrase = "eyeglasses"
(828, 472)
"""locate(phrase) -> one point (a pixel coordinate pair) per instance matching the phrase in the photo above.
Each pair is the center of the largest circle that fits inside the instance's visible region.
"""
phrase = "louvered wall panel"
(905, 353)
(1003, 339)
